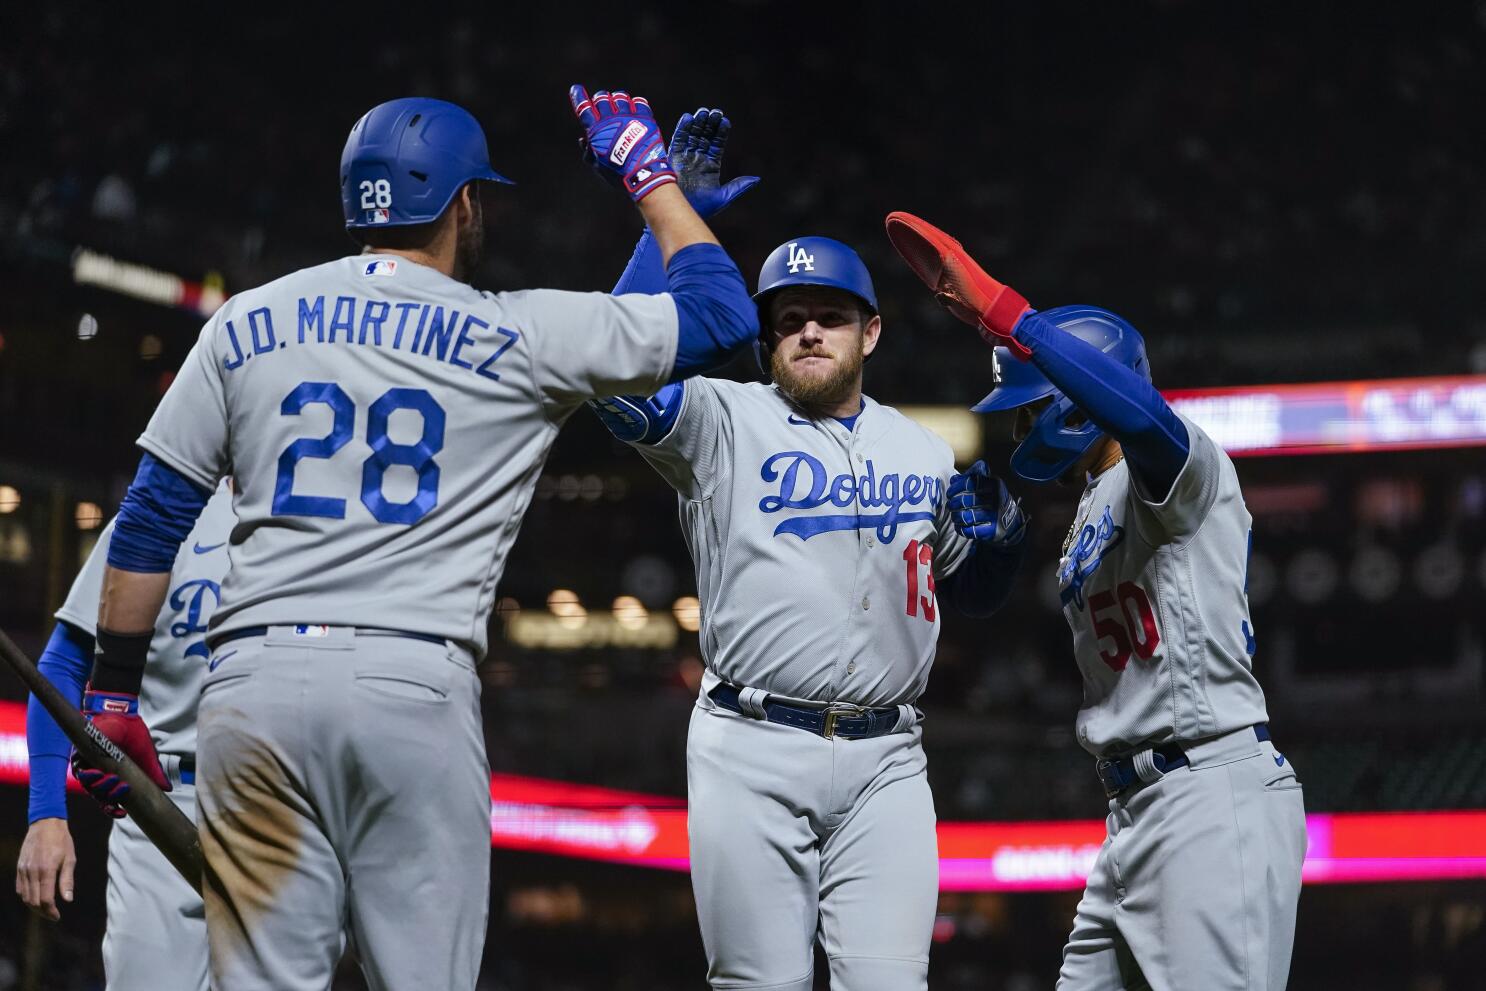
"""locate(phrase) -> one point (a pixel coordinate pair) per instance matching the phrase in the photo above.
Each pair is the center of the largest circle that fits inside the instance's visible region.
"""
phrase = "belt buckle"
(834, 712)
(1102, 767)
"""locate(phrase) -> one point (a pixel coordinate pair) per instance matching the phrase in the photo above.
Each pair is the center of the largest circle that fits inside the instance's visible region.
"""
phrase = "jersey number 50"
(1132, 625)
(384, 453)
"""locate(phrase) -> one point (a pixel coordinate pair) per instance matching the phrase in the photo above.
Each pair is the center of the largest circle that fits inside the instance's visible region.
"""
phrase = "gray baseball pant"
(343, 789)
(1196, 884)
(156, 934)
(793, 834)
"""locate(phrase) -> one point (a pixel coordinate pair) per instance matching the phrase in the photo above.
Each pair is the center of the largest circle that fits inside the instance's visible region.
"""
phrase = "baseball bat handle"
(165, 825)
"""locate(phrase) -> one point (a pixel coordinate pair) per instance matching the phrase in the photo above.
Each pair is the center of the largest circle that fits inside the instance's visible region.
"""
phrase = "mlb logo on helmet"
(799, 257)
(382, 267)
(626, 143)
(377, 216)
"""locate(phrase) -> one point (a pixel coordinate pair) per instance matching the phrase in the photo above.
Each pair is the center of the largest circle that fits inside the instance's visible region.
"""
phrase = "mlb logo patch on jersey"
(378, 216)
(311, 631)
(383, 267)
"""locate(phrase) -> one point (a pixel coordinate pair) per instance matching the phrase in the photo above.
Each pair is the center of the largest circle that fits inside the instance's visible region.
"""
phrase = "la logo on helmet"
(798, 257)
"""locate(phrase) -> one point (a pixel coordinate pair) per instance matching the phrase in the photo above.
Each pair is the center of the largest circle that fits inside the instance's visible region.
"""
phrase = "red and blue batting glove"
(116, 716)
(983, 510)
(958, 282)
(622, 140)
(697, 145)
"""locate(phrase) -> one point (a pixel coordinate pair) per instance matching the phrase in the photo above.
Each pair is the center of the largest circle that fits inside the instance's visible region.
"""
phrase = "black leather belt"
(846, 721)
(365, 631)
(1118, 775)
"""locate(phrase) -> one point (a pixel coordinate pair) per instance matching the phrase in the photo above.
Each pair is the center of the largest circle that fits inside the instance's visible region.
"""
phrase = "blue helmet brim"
(493, 176)
(1012, 396)
(813, 282)
(1017, 384)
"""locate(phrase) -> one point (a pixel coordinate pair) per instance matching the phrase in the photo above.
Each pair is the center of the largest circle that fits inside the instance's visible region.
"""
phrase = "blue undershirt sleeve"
(65, 663)
(1119, 400)
(158, 512)
(644, 273)
(715, 314)
(983, 582)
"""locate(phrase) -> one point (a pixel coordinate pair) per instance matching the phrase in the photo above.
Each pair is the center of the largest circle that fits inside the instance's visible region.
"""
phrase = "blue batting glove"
(622, 140)
(983, 510)
(696, 151)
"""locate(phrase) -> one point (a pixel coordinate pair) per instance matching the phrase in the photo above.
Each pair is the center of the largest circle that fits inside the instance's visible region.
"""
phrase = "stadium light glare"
(688, 613)
(89, 516)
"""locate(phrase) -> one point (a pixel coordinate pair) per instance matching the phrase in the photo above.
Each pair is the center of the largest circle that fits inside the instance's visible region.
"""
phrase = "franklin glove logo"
(627, 141)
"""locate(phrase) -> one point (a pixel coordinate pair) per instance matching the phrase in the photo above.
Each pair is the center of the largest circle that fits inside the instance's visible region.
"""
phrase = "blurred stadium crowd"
(1267, 204)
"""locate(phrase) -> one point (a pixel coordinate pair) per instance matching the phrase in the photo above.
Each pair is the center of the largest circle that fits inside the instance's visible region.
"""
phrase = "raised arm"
(622, 141)
(1117, 399)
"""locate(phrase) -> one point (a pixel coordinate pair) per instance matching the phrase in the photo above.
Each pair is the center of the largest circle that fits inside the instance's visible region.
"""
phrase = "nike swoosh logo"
(215, 662)
(1279, 760)
(797, 421)
(207, 550)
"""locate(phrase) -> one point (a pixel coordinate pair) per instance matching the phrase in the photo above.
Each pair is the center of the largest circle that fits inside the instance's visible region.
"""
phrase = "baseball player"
(156, 934)
(1197, 882)
(819, 525)
(385, 425)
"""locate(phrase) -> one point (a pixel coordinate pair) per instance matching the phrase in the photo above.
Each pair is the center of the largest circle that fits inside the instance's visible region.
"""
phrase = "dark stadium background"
(1271, 192)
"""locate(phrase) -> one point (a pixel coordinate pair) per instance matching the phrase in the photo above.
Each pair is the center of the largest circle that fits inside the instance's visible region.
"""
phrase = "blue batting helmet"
(809, 261)
(405, 159)
(1056, 441)
(815, 261)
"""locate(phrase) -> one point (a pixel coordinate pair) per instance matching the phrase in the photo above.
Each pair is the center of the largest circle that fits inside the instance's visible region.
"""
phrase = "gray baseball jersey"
(816, 549)
(156, 932)
(1197, 881)
(1155, 593)
(178, 654)
(816, 546)
(352, 400)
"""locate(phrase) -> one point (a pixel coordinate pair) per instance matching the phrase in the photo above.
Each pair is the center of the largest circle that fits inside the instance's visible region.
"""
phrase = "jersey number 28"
(384, 453)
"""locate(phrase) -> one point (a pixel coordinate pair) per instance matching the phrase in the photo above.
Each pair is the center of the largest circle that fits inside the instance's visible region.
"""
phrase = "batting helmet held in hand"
(1061, 434)
(405, 159)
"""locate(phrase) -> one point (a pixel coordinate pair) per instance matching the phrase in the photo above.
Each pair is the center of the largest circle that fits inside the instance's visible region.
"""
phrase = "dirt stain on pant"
(251, 820)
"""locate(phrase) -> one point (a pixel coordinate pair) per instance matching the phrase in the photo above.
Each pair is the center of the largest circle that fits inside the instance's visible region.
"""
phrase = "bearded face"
(469, 242)
(819, 339)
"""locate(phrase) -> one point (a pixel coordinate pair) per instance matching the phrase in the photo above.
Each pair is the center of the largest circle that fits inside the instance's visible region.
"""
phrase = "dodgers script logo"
(191, 598)
(804, 483)
(1076, 567)
(799, 259)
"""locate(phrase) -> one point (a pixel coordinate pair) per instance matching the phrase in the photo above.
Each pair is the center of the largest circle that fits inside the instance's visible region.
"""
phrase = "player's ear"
(870, 333)
(465, 207)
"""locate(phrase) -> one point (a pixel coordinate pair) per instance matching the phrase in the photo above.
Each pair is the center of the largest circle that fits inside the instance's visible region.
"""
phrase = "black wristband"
(118, 662)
